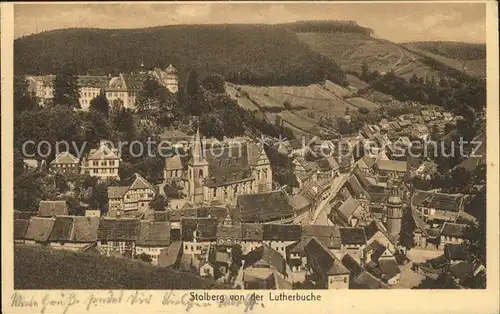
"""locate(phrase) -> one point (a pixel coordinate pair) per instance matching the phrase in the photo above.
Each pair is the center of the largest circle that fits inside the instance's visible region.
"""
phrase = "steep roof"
(377, 250)
(252, 232)
(352, 236)
(267, 254)
(456, 251)
(85, 228)
(140, 183)
(62, 230)
(326, 261)
(117, 191)
(20, 228)
(118, 229)
(154, 233)
(205, 228)
(52, 208)
(348, 207)
(439, 201)
(372, 228)
(134, 81)
(389, 267)
(227, 164)
(264, 207)
(281, 232)
(352, 265)
(365, 280)
(454, 230)
(232, 232)
(65, 158)
(169, 256)
(173, 163)
(328, 235)
(391, 165)
(102, 153)
(39, 229)
(93, 81)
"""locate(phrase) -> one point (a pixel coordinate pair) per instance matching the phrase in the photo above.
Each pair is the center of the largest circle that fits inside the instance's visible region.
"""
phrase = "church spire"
(197, 151)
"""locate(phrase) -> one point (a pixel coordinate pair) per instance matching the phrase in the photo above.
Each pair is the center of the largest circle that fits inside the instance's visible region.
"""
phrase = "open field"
(337, 89)
(45, 268)
(299, 122)
(360, 102)
(356, 82)
(242, 101)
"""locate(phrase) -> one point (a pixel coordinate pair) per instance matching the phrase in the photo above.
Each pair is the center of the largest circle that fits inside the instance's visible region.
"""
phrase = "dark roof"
(206, 229)
(134, 81)
(154, 233)
(62, 230)
(264, 207)
(326, 261)
(328, 235)
(281, 232)
(218, 213)
(52, 208)
(39, 229)
(439, 201)
(454, 230)
(389, 267)
(20, 228)
(118, 229)
(462, 270)
(24, 214)
(354, 186)
(365, 280)
(377, 250)
(350, 263)
(352, 236)
(85, 228)
(372, 228)
(268, 255)
(227, 164)
(456, 252)
(252, 232)
(232, 232)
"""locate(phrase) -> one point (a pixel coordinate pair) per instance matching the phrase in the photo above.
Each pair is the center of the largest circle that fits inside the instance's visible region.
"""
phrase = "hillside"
(465, 57)
(41, 268)
(244, 54)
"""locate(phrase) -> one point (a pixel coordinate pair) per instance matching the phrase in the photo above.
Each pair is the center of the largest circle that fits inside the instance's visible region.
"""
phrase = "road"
(322, 209)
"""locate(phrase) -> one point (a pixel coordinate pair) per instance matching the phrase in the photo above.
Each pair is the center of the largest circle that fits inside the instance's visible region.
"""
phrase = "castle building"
(167, 78)
(220, 174)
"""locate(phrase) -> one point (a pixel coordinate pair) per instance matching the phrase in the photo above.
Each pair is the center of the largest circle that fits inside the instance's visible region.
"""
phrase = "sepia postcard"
(246, 157)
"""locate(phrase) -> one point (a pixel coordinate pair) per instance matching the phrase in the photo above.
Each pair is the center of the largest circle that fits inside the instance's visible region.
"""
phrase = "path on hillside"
(406, 65)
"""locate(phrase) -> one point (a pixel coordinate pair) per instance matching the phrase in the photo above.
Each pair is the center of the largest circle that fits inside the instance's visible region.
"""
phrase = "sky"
(398, 22)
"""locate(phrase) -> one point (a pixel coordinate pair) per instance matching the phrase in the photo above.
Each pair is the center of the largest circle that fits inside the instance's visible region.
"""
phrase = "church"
(217, 175)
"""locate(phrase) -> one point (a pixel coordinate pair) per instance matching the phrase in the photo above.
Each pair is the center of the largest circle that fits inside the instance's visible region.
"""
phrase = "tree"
(144, 257)
(158, 203)
(66, 88)
(407, 229)
(214, 83)
(193, 85)
(100, 104)
(23, 99)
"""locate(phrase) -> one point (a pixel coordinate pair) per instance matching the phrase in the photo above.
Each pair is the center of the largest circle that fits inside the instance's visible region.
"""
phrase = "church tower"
(394, 212)
(171, 79)
(197, 171)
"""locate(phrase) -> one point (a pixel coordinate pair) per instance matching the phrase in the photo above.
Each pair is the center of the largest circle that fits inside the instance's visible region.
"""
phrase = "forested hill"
(250, 54)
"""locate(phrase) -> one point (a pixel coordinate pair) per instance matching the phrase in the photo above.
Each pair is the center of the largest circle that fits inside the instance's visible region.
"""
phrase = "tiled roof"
(227, 164)
(118, 229)
(265, 253)
(365, 280)
(102, 153)
(328, 235)
(389, 267)
(355, 187)
(439, 201)
(348, 208)
(134, 81)
(154, 233)
(281, 232)
(169, 256)
(117, 191)
(326, 261)
(372, 228)
(20, 228)
(65, 158)
(232, 232)
(299, 202)
(377, 250)
(352, 236)
(454, 230)
(52, 208)
(391, 165)
(62, 230)
(85, 229)
(39, 229)
(252, 232)
(264, 207)
(352, 265)
(205, 229)
(140, 183)
(93, 81)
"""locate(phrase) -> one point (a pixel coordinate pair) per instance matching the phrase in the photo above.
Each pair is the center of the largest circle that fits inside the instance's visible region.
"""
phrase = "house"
(437, 208)
(387, 270)
(453, 233)
(351, 212)
(328, 270)
(171, 256)
(52, 208)
(168, 77)
(134, 198)
(197, 234)
(207, 269)
(279, 236)
(391, 168)
(265, 257)
(375, 231)
(424, 235)
(34, 164)
(221, 262)
(153, 238)
(229, 235)
(328, 168)
(352, 265)
(39, 230)
(118, 236)
(102, 162)
(252, 235)
(365, 280)
(298, 147)
(352, 241)
(73, 232)
(426, 170)
(174, 170)
(65, 163)
(265, 207)
(296, 256)
(420, 131)
(374, 251)
(261, 278)
(20, 228)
